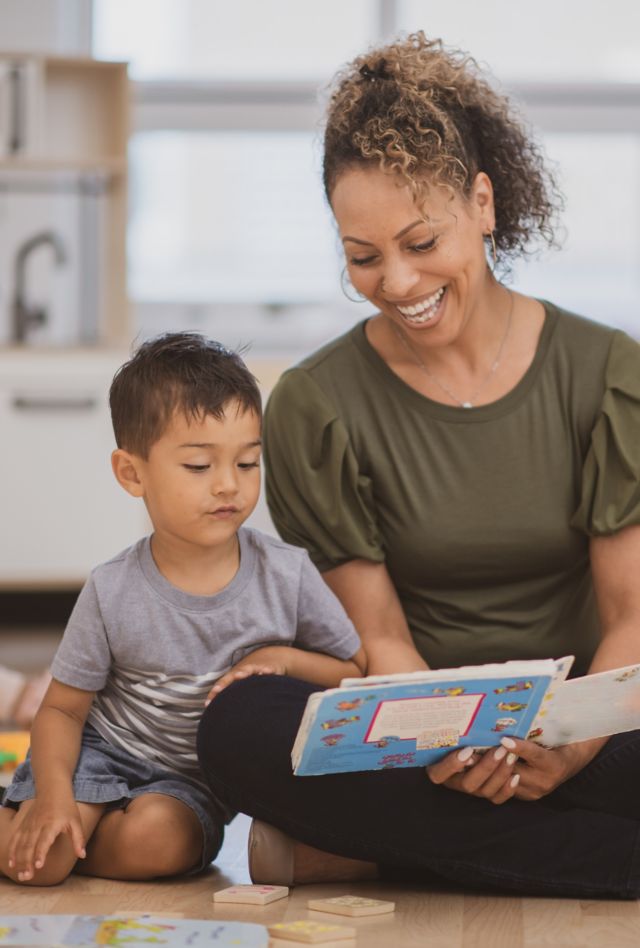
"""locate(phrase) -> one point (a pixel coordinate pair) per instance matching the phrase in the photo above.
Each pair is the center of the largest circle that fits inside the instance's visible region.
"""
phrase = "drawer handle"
(16, 80)
(55, 403)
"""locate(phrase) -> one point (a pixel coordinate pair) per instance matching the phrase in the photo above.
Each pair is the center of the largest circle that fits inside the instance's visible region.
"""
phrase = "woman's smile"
(427, 311)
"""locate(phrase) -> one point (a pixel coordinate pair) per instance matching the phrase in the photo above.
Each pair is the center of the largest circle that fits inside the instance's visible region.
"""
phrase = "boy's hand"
(36, 832)
(252, 665)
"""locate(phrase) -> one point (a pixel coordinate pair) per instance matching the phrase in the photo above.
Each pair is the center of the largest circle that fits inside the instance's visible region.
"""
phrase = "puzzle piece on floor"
(251, 894)
(310, 933)
(353, 905)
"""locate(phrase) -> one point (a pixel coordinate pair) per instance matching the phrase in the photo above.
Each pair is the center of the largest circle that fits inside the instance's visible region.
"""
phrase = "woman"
(464, 467)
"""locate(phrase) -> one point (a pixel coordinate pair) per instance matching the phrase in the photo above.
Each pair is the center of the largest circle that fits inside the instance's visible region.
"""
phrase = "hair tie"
(379, 71)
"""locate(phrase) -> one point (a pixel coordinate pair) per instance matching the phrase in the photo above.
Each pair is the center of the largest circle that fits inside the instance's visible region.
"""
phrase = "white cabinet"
(61, 509)
(53, 231)
(64, 126)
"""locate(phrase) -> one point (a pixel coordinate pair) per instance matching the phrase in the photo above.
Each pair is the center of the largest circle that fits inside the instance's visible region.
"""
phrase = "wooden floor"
(422, 918)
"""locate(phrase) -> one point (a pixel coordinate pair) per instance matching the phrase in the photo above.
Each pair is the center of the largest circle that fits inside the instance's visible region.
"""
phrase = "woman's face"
(424, 269)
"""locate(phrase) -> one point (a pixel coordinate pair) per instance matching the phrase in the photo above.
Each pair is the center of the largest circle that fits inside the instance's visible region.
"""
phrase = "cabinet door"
(61, 509)
(53, 236)
(20, 105)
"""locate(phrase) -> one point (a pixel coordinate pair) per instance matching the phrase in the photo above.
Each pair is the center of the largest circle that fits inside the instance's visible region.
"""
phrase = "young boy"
(113, 778)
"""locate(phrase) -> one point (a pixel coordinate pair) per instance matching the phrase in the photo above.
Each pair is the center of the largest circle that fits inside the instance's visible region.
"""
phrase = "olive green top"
(482, 515)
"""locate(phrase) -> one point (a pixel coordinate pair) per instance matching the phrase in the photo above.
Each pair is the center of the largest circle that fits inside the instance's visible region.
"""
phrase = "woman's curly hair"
(426, 112)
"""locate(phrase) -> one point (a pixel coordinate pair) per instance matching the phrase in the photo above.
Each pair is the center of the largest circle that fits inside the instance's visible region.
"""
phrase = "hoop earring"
(343, 287)
(494, 251)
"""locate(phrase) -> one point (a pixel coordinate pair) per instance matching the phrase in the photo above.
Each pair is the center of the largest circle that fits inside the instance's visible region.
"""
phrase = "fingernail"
(465, 753)
(207, 702)
(515, 780)
(508, 742)
(512, 758)
(500, 753)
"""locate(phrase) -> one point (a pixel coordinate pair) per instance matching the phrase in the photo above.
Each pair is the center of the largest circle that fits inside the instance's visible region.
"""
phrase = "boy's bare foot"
(276, 859)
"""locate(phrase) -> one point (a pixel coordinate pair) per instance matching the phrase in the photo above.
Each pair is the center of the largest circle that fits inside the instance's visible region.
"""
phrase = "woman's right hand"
(488, 774)
(370, 599)
(35, 832)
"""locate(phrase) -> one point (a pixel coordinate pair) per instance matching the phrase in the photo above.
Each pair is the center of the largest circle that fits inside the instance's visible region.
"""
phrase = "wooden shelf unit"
(73, 114)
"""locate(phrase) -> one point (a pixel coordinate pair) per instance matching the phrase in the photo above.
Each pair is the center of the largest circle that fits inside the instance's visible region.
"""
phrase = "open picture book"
(136, 928)
(412, 720)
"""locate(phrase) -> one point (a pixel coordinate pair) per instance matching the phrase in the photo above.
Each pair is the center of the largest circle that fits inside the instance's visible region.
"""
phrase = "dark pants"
(582, 841)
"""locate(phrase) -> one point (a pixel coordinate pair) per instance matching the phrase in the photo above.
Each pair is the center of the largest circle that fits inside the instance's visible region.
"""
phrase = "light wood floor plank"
(491, 921)
(423, 918)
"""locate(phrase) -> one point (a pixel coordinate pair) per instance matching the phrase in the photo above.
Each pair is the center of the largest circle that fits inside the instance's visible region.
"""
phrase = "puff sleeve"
(317, 496)
(610, 495)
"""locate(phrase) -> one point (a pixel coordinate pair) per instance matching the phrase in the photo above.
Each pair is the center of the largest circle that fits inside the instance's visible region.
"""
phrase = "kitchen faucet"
(24, 315)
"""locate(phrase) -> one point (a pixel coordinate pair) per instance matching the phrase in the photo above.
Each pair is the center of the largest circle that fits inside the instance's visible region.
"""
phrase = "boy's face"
(201, 479)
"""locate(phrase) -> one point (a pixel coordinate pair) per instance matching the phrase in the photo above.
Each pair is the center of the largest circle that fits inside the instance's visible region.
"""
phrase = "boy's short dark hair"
(176, 371)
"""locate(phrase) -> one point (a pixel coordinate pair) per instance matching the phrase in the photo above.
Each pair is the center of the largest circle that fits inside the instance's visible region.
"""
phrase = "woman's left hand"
(520, 769)
(542, 769)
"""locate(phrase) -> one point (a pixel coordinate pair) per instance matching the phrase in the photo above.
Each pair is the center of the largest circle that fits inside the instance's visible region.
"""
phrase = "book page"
(66, 931)
(594, 706)
(428, 720)
(510, 669)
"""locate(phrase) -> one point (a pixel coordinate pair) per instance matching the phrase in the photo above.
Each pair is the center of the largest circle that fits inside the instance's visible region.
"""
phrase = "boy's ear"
(126, 468)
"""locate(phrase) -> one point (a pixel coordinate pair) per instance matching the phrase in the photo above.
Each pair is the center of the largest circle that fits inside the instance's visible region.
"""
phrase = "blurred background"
(228, 230)
(182, 191)
(225, 204)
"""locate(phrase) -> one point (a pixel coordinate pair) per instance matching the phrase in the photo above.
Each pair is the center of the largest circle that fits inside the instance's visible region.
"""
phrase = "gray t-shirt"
(151, 652)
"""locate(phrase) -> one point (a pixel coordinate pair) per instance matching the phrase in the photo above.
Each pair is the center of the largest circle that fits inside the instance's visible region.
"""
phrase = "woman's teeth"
(424, 311)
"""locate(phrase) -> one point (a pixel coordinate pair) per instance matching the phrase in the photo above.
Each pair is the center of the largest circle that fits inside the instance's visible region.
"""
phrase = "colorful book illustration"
(80, 931)
(412, 720)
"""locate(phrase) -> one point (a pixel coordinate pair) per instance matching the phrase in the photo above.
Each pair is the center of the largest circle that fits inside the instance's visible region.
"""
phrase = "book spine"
(304, 730)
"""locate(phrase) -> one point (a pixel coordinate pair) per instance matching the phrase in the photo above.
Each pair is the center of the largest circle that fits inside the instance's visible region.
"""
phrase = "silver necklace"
(468, 403)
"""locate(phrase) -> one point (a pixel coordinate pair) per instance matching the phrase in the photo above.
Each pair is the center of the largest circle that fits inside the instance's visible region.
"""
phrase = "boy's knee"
(54, 872)
(160, 837)
(59, 862)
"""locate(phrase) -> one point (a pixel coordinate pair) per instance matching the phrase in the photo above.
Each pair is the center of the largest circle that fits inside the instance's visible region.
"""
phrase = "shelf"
(112, 166)
(84, 109)
(64, 116)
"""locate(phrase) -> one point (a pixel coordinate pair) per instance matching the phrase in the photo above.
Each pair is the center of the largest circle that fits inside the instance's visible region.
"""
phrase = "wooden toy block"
(310, 933)
(353, 905)
(252, 894)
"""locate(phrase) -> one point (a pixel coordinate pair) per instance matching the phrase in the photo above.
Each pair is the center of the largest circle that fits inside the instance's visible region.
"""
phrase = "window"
(597, 272)
(227, 211)
(570, 40)
(236, 216)
(240, 40)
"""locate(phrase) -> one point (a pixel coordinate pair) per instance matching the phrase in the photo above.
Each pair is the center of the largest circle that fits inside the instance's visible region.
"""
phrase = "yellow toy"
(13, 748)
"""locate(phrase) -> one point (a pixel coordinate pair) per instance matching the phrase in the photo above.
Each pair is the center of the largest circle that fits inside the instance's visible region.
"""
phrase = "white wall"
(46, 26)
